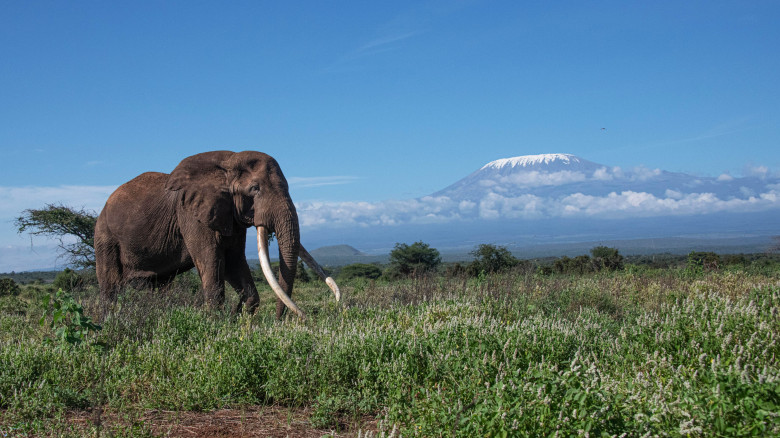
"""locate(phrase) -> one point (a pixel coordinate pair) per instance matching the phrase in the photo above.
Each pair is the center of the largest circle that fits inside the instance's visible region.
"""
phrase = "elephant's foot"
(248, 302)
(215, 299)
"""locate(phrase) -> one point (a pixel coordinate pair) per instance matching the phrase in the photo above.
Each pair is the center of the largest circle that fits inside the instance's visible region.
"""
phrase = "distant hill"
(341, 255)
(334, 255)
(336, 251)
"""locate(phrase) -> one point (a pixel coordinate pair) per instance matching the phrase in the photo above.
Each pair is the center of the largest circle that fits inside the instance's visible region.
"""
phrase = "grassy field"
(633, 353)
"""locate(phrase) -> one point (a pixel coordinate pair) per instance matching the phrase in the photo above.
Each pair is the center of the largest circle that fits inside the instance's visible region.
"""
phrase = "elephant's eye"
(254, 189)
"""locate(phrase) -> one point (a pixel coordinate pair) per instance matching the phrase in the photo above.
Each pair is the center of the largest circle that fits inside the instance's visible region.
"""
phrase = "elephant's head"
(223, 189)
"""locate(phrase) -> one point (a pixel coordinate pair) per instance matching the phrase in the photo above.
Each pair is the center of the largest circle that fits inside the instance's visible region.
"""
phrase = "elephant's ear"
(202, 183)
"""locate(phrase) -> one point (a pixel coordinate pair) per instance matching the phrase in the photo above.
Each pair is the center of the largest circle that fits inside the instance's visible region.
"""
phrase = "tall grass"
(656, 353)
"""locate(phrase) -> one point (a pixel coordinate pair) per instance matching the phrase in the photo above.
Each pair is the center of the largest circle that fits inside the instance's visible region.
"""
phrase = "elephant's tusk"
(265, 264)
(316, 267)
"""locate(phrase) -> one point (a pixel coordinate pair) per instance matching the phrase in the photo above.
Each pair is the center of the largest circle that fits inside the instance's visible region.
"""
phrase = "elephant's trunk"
(265, 264)
(289, 239)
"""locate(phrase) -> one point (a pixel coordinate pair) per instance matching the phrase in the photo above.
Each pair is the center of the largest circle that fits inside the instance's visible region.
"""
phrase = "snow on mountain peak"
(531, 160)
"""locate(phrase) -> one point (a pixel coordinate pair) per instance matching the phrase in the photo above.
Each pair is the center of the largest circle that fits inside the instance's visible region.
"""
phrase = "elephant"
(158, 225)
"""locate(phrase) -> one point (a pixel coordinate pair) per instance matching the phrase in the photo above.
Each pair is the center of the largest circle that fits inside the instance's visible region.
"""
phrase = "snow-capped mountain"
(539, 199)
(560, 175)
(546, 162)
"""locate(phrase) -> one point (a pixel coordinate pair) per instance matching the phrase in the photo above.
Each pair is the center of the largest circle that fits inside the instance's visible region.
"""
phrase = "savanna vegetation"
(602, 346)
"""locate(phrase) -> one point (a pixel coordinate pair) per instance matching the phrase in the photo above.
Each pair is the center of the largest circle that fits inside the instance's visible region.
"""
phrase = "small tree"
(607, 258)
(562, 265)
(413, 259)
(60, 222)
(703, 261)
(491, 258)
(8, 287)
(68, 280)
(581, 264)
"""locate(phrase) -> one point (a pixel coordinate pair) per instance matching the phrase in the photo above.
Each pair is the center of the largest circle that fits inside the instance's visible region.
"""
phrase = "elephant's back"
(140, 191)
(136, 205)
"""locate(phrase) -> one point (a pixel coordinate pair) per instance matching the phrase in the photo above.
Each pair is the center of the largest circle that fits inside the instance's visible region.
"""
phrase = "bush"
(577, 265)
(360, 270)
(68, 280)
(735, 260)
(702, 261)
(68, 321)
(491, 258)
(606, 258)
(417, 258)
(455, 270)
(9, 287)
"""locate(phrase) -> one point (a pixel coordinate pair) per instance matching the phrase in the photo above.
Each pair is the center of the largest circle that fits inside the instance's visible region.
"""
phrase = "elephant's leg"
(108, 268)
(238, 274)
(212, 277)
(164, 283)
(209, 260)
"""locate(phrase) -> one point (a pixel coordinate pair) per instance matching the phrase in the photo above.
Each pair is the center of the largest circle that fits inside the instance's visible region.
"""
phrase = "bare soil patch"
(252, 421)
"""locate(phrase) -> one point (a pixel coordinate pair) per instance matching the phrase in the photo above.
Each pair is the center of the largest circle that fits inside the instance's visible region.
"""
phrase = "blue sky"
(370, 101)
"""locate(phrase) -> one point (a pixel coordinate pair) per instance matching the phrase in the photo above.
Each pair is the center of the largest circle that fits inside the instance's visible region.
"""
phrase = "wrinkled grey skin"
(158, 225)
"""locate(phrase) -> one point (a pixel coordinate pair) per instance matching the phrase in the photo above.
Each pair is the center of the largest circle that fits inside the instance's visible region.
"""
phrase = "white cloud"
(466, 207)
(535, 178)
(13, 200)
(725, 177)
(747, 192)
(317, 181)
(673, 194)
(756, 171)
(424, 210)
(602, 174)
(496, 206)
(642, 173)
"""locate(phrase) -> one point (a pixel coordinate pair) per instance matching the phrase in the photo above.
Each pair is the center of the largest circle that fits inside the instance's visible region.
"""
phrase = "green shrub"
(360, 270)
(9, 287)
(702, 262)
(68, 321)
(491, 258)
(68, 280)
(606, 258)
(417, 258)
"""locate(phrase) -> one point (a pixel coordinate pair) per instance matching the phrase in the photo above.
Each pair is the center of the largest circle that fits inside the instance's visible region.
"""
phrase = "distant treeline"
(487, 259)
(31, 277)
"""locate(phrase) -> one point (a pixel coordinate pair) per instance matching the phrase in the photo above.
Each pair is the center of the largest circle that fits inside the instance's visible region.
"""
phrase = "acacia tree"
(491, 258)
(63, 223)
(607, 258)
(413, 259)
